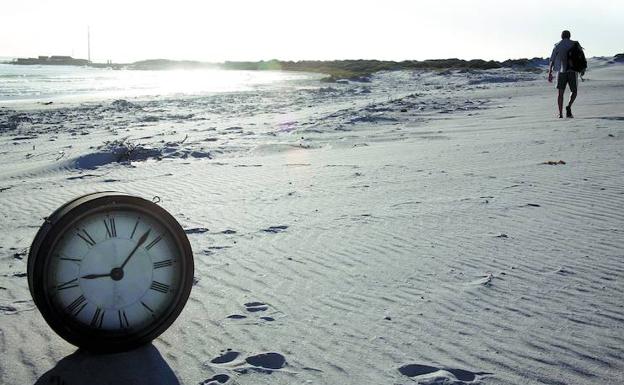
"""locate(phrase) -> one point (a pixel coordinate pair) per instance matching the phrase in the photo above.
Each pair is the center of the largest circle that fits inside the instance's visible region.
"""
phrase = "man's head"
(565, 34)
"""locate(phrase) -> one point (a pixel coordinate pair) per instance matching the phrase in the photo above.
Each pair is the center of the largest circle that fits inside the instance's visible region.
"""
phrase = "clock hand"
(141, 241)
(117, 273)
(92, 276)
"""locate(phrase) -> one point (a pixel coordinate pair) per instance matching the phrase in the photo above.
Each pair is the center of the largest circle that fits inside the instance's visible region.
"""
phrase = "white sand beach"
(407, 230)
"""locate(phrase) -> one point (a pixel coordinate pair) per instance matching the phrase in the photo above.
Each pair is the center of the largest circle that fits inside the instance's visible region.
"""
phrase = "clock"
(110, 271)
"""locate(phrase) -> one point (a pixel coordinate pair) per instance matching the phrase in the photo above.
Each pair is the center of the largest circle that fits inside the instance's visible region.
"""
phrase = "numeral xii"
(111, 229)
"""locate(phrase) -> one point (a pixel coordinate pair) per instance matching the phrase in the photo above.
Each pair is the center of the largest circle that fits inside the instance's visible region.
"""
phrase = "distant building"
(52, 60)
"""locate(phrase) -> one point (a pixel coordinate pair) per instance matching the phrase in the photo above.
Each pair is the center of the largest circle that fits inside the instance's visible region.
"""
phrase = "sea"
(44, 83)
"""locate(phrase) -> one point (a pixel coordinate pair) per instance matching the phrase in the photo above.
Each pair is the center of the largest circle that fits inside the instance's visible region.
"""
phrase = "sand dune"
(405, 231)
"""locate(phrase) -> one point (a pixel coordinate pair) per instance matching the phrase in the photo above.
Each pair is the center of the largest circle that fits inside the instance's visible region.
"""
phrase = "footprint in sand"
(216, 380)
(263, 362)
(256, 306)
(253, 307)
(226, 356)
(432, 375)
(270, 361)
(236, 316)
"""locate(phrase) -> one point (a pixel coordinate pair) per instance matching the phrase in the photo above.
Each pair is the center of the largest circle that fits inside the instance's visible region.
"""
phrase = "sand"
(408, 230)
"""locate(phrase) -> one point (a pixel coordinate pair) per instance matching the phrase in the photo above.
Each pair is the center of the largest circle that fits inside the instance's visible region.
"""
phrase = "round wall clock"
(110, 271)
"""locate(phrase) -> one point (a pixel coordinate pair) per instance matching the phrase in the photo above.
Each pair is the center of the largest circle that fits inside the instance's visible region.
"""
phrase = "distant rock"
(122, 104)
(149, 119)
(360, 79)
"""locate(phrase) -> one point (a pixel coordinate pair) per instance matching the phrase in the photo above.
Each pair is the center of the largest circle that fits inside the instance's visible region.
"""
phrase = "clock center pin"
(117, 274)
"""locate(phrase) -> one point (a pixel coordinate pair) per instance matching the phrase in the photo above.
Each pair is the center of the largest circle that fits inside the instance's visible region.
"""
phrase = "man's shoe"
(569, 112)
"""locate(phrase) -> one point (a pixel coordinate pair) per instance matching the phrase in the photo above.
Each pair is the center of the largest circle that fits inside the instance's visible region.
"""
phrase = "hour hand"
(93, 276)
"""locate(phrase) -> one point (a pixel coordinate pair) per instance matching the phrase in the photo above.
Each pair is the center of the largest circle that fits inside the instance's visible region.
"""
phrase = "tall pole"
(89, 44)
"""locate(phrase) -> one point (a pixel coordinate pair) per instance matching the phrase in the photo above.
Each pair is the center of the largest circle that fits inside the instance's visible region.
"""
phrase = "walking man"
(565, 74)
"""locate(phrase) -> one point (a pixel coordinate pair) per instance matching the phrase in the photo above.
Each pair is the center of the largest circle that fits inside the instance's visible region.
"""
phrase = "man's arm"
(551, 64)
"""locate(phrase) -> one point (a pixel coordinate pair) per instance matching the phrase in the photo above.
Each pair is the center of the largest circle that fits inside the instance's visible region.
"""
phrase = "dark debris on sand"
(275, 229)
(554, 162)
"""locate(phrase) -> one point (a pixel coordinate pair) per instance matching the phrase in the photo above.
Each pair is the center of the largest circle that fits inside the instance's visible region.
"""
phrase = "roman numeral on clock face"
(98, 317)
(68, 284)
(76, 306)
(86, 237)
(123, 320)
(70, 259)
(149, 309)
(135, 227)
(158, 265)
(161, 287)
(154, 242)
(111, 229)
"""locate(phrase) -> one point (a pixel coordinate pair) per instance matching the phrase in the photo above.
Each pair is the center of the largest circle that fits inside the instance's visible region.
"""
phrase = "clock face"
(88, 281)
(117, 272)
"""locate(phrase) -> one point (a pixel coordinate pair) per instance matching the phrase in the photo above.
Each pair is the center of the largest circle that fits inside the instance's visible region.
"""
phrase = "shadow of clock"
(144, 365)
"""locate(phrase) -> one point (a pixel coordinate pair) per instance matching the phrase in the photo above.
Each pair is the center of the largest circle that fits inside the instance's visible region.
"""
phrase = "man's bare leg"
(560, 102)
(572, 99)
(569, 106)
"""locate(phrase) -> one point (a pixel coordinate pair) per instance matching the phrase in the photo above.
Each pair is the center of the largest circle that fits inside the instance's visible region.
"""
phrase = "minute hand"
(93, 276)
(141, 241)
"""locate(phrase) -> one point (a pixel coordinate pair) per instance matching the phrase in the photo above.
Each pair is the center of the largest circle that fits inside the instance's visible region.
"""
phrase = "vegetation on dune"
(529, 65)
(165, 64)
(359, 69)
(356, 70)
(362, 69)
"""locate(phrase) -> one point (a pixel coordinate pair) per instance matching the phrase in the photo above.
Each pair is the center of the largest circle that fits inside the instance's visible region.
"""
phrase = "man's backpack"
(576, 58)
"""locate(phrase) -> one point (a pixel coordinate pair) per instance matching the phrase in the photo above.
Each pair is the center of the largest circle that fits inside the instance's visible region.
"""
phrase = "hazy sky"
(218, 30)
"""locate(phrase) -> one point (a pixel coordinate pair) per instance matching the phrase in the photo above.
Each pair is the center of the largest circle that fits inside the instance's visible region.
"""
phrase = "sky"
(218, 30)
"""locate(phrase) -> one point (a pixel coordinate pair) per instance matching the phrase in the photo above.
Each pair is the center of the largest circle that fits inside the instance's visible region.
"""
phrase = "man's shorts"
(565, 78)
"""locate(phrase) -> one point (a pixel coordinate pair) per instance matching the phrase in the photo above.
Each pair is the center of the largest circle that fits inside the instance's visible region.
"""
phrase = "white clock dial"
(114, 271)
